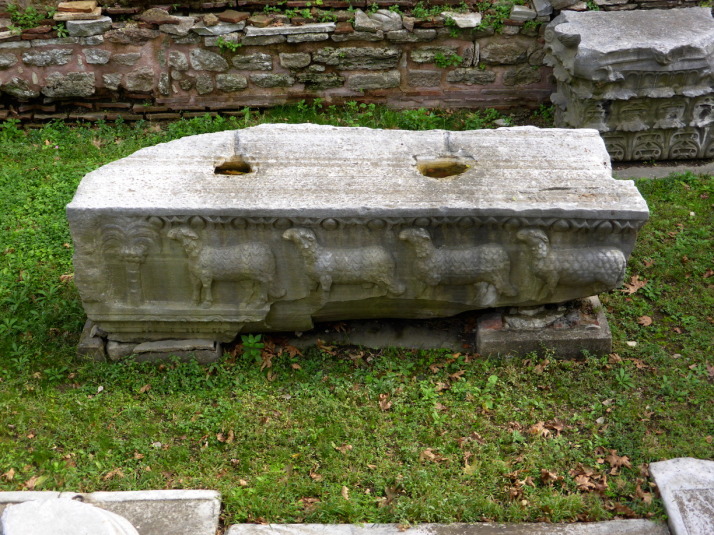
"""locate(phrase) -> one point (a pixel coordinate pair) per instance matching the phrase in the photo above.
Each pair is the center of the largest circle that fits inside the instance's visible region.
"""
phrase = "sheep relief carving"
(252, 261)
(369, 266)
(601, 267)
(487, 267)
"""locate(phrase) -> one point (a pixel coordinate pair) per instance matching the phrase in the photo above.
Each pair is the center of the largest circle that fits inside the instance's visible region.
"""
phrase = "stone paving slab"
(151, 512)
(687, 489)
(614, 527)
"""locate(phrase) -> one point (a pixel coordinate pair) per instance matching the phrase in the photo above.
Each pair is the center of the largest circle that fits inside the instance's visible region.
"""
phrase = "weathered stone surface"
(119, 350)
(272, 80)
(73, 84)
(261, 40)
(349, 58)
(131, 35)
(112, 80)
(378, 80)
(181, 29)
(614, 527)
(359, 36)
(543, 7)
(308, 38)
(44, 58)
(15, 44)
(601, 46)
(221, 28)
(87, 28)
(60, 41)
(386, 20)
(152, 512)
(178, 60)
(650, 94)
(164, 84)
(96, 56)
(91, 347)
(524, 75)
(204, 351)
(463, 20)
(471, 76)
(233, 16)
(319, 80)
(557, 227)
(126, 59)
(79, 6)
(62, 517)
(522, 13)
(505, 53)
(428, 54)
(7, 60)
(157, 16)
(204, 83)
(363, 23)
(424, 78)
(141, 80)
(92, 40)
(60, 16)
(566, 329)
(296, 60)
(253, 62)
(404, 36)
(687, 489)
(217, 40)
(204, 60)
(322, 27)
(231, 82)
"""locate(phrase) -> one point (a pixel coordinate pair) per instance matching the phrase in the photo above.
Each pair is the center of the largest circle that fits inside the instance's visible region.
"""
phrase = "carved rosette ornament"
(418, 233)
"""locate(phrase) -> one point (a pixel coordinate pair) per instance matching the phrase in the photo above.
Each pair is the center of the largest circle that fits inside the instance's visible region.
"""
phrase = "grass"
(350, 435)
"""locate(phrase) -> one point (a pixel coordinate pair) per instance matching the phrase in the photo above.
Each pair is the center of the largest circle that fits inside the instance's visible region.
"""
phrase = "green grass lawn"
(351, 435)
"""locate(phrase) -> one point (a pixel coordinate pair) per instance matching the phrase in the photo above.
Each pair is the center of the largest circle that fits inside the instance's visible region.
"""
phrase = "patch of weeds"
(227, 46)
(444, 61)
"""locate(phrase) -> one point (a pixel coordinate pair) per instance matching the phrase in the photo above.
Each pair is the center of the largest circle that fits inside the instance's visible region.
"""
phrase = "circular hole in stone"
(235, 165)
(441, 167)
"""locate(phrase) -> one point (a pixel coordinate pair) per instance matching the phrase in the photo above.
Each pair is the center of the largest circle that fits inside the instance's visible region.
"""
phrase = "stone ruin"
(187, 244)
(643, 79)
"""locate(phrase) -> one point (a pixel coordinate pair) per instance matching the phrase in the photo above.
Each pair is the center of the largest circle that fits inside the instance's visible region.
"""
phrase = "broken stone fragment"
(233, 17)
(157, 16)
(463, 20)
(81, 6)
(87, 28)
(63, 16)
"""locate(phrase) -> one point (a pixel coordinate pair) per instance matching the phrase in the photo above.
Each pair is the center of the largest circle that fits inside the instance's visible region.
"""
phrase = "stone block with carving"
(644, 79)
(274, 227)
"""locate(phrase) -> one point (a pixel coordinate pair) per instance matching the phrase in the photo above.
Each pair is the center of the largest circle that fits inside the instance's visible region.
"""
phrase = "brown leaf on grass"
(33, 482)
(440, 407)
(296, 366)
(144, 389)
(539, 429)
(384, 403)
(431, 456)
(645, 321)
(709, 439)
(314, 475)
(9, 475)
(138, 456)
(588, 480)
(614, 358)
(66, 277)
(343, 449)
(621, 510)
(648, 262)
(292, 351)
(390, 496)
(710, 371)
(440, 387)
(616, 461)
(555, 425)
(540, 368)
(457, 375)
(308, 503)
(642, 495)
(345, 492)
(322, 346)
(708, 273)
(242, 482)
(113, 473)
(548, 477)
(635, 284)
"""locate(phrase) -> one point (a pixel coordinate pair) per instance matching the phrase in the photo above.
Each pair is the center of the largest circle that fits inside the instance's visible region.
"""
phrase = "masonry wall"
(138, 72)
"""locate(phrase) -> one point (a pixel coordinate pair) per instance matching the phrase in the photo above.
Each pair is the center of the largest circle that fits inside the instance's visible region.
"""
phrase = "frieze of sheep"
(243, 262)
(325, 266)
(601, 266)
(459, 265)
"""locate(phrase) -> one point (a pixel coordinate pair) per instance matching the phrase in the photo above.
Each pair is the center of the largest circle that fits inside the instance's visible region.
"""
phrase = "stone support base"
(567, 330)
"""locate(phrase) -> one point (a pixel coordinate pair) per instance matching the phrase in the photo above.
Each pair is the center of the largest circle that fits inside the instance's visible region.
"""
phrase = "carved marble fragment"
(644, 79)
(273, 227)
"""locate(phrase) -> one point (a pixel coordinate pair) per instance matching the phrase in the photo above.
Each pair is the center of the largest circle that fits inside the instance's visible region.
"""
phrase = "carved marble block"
(644, 79)
(273, 227)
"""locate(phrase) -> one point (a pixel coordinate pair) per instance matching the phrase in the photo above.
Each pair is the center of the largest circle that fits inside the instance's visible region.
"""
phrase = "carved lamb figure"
(245, 262)
(459, 266)
(604, 266)
(371, 265)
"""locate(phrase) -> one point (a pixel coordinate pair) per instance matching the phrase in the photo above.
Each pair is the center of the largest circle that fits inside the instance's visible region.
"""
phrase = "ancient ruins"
(275, 227)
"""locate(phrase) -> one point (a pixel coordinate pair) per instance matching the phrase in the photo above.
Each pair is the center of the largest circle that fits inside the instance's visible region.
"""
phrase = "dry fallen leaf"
(113, 473)
(539, 429)
(616, 461)
(344, 448)
(9, 475)
(384, 403)
(144, 389)
(429, 455)
(645, 321)
(345, 493)
(635, 284)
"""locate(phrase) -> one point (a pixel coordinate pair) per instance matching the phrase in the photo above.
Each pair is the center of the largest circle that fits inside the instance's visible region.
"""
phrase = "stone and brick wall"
(105, 69)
